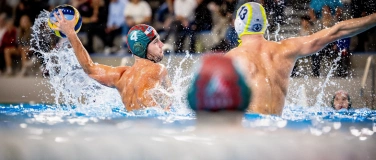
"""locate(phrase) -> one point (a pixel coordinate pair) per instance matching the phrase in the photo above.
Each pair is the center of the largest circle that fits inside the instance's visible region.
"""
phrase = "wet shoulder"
(236, 52)
(153, 70)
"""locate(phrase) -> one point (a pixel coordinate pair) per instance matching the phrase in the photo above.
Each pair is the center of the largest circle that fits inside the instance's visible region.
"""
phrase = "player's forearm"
(81, 53)
(354, 26)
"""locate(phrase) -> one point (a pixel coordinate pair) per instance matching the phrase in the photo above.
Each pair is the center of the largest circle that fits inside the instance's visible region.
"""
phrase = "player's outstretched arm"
(303, 46)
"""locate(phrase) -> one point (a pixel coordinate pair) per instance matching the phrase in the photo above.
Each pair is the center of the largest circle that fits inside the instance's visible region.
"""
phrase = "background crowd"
(197, 26)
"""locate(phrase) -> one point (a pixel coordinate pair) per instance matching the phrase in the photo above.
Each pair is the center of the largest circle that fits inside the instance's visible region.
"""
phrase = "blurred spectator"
(21, 48)
(163, 18)
(32, 8)
(316, 7)
(366, 41)
(9, 45)
(224, 37)
(3, 29)
(86, 11)
(114, 24)
(202, 22)
(54, 3)
(275, 9)
(341, 100)
(24, 38)
(220, 23)
(361, 8)
(135, 12)
(93, 23)
(346, 10)
(306, 28)
(326, 20)
(184, 15)
(5, 7)
(343, 47)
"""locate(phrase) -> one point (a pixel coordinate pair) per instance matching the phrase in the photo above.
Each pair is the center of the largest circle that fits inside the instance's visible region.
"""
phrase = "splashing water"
(72, 87)
(179, 82)
(70, 84)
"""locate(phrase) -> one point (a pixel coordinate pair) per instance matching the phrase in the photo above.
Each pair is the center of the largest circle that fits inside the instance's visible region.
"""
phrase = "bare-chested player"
(267, 65)
(132, 82)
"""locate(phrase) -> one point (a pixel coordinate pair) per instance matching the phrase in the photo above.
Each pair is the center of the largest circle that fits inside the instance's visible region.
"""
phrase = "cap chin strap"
(146, 55)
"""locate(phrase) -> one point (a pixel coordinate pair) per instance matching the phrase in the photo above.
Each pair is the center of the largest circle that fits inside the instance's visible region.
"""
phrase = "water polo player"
(132, 82)
(268, 64)
(218, 85)
(341, 100)
(218, 94)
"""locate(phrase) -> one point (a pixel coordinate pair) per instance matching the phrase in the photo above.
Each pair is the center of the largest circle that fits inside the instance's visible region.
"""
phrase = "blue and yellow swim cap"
(250, 19)
(139, 37)
(218, 85)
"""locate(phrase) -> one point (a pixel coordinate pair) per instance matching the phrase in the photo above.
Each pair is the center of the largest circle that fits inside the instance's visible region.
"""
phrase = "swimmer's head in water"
(250, 19)
(139, 37)
(341, 99)
(218, 85)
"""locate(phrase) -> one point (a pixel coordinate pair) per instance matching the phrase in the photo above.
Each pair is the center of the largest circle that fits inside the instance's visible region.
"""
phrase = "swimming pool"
(85, 120)
(40, 131)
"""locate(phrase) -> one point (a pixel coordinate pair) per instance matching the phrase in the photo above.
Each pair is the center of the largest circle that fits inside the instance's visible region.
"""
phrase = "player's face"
(341, 101)
(155, 52)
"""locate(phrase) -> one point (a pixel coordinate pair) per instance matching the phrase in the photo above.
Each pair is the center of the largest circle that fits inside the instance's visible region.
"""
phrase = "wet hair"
(348, 99)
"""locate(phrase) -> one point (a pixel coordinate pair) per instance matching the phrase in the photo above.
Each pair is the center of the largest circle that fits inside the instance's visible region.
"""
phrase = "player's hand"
(64, 25)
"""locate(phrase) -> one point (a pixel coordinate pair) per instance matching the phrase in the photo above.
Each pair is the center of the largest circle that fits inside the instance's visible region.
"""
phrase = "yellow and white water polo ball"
(69, 14)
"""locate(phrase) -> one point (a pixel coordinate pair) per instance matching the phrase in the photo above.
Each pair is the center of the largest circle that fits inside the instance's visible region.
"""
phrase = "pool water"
(44, 131)
(294, 118)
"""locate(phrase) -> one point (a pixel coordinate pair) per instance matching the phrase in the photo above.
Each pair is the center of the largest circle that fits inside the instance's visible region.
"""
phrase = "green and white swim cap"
(139, 37)
(250, 19)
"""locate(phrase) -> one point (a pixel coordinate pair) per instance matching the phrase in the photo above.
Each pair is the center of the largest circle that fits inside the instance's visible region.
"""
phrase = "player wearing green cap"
(132, 82)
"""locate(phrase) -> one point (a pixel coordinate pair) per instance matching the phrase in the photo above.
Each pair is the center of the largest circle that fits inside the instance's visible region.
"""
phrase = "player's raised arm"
(105, 75)
(303, 46)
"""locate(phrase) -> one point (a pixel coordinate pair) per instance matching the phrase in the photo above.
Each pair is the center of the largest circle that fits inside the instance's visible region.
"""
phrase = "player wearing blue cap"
(268, 64)
(132, 82)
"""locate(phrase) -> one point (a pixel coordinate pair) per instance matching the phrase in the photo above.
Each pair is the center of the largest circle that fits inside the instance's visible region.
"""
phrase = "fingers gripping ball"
(70, 13)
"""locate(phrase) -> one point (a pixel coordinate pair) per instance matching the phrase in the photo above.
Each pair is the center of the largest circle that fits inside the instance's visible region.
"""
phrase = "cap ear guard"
(250, 19)
(137, 43)
(139, 37)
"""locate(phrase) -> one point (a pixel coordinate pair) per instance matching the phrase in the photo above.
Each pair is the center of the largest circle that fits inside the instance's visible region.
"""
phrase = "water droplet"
(337, 125)
(61, 139)
(355, 132)
(362, 138)
(23, 125)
